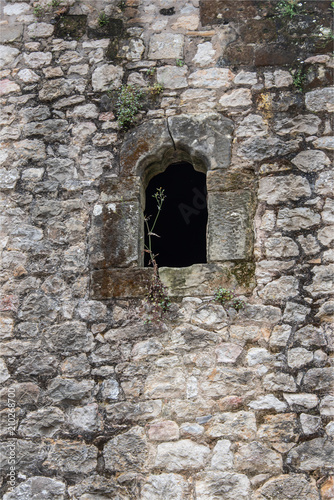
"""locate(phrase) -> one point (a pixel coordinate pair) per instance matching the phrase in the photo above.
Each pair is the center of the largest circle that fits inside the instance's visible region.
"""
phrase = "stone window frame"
(117, 232)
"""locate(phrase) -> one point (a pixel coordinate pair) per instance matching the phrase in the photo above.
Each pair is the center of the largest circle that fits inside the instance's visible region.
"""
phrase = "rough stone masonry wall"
(212, 404)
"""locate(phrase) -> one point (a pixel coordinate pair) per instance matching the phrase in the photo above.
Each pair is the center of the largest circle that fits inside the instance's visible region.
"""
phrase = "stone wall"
(211, 403)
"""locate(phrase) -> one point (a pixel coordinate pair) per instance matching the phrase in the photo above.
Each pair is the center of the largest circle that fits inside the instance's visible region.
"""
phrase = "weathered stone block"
(301, 124)
(258, 356)
(38, 59)
(322, 282)
(165, 430)
(107, 77)
(260, 148)
(205, 54)
(223, 486)
(252, 126)
(280, 290)
(75, 366)
(127, 411)
(120, 283)
(326, 142)
(279, 382)
(212, 78)
(40, 30)
(170, 383)
(280, 429)
(238, 53)
(230, 235)
(311, 160)
(151, 347)
(325, 183)
(231, 180)
(310, 424)
(114, 242)
(299, 357)
(268, 402)
(295, 219)
(310, 336)
(53, 129)
(28, 454)
(151, 143)
(85, 418)
(8, 55)
(166, 46)
(278, 189)
(72, 456)
(318, 379)
(127, 451)
(203, 279)
(60, 389)
(53, 89)
(184, 454)
(256, 458)
(190, 133)
(311, 455)
(320, 100)
(222, 456)
(281, 247)
(301, 401)
(110, 390)
(37, 364)
(172, 77)
(167, 486)
(8, 178)
(294, 486)
(42, 423)
(68, 338)
(239, 98)
(4, 373)
(275, 54)
(45, 487)
(228, 352)
(232, 425)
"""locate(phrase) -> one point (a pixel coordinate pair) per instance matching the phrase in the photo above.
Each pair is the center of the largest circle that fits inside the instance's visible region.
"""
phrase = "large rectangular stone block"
(230, 234)
(114, 235)
(120, 283)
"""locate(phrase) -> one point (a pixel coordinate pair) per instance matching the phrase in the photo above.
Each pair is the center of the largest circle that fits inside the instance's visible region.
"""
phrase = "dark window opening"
(182, 222)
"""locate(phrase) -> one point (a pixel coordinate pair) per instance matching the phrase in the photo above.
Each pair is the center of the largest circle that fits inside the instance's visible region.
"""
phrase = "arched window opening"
(181, 226)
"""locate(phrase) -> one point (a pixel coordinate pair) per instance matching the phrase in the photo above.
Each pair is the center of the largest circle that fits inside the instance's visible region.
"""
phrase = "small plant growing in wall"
(103, 19)
(227, 297)
(288, 8)
(157, 298)
(150, 71)
(38, 11)
(298, 78)
(55, 7)
(156, 89)
(128, 104)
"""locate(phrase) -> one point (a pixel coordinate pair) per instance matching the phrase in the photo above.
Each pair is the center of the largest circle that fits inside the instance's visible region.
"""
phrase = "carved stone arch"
(204, 140)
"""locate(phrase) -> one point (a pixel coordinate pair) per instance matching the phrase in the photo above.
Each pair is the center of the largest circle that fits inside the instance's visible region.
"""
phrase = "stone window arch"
(117, 235)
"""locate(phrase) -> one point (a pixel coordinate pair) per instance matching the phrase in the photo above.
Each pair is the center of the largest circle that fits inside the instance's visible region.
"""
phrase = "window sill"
(198, 280)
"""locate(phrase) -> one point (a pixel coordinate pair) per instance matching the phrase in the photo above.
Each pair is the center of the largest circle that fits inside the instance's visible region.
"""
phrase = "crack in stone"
(170, 133)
